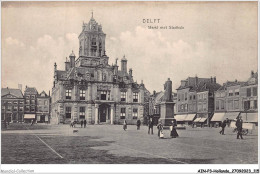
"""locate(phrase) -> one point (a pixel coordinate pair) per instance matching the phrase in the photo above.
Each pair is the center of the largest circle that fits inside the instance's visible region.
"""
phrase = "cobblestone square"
(110, 144)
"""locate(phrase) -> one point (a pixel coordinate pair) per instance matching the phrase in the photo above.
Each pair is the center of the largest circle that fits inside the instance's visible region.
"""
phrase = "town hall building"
(90, 89)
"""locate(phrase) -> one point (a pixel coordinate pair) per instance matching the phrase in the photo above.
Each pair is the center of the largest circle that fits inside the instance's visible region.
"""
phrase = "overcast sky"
(219, 39)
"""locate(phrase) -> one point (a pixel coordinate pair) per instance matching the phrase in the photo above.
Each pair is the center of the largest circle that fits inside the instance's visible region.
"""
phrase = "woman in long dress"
(125, 125)
(174, 133)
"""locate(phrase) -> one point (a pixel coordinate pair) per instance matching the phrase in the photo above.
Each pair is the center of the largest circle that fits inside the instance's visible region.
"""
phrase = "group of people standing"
(239, 127)
(173, 132)
(73, 124)
(83, 122)
(138, 124)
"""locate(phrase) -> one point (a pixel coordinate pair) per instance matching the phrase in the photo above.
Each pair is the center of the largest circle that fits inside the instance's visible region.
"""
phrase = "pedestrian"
(32, 122)
(138, 123)
(174, 133)
(85, 123)
(81, 123)
(125, 125)
(150, 126)
(193, 124)
(239, 125)
(223, 125)
(160, 128)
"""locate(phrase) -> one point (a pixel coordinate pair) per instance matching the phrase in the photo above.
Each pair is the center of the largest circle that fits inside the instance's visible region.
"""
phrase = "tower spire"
(92, 13)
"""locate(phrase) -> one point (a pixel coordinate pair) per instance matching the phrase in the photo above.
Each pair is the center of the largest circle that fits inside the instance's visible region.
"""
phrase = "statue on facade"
(168, 91)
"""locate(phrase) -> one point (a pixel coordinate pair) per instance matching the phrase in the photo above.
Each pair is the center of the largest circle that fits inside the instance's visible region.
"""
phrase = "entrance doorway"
(104, 113)
(42, 118)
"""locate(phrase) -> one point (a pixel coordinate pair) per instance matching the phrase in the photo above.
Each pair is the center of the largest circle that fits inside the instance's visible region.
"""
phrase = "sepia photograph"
(165, 84)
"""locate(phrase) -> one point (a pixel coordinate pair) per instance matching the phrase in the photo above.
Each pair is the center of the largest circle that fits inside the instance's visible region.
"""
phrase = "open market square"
(110, 144)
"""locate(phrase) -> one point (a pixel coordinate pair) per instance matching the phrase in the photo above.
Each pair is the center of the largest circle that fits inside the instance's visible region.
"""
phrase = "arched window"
(100, 48)
(93, 41)
(93, 47)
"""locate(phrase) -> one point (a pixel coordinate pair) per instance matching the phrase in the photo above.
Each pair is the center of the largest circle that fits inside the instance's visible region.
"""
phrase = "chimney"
(154, 92)
(183, 82)
(252, 73)
(20, 87)
(67, 65)
(214, 80)
(124, 65)
(49, 93)
(235, 80)
(211, 79)
(72, 60)
(196, 80)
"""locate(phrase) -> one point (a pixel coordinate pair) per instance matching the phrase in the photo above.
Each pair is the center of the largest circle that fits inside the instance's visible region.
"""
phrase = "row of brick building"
(24, 107)
(204, 101)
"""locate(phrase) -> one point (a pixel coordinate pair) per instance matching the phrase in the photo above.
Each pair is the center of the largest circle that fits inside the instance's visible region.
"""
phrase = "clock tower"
(92, 39)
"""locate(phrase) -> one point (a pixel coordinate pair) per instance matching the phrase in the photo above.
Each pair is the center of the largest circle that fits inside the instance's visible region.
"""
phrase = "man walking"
(160, 128)
(85, 123)
(223, 125)
(81, 123)
(125, 125)
(239, 125)
(150, 126)
(138, 123)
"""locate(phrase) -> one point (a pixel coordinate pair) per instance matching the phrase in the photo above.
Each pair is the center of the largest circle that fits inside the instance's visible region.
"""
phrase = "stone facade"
(235, 96)
(89, 88)
(12, 104)
(195, 98)
(43, 108)
(30, 95)
(249, 95)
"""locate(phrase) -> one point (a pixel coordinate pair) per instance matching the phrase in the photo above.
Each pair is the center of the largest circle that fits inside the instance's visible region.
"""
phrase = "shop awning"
(180, 117)
(231, 115)
(249, 126)
(218, 116)
(29, 116)
(202, 120)
(197, 120)
(250, 117)
(190, 117)
(233, 124)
